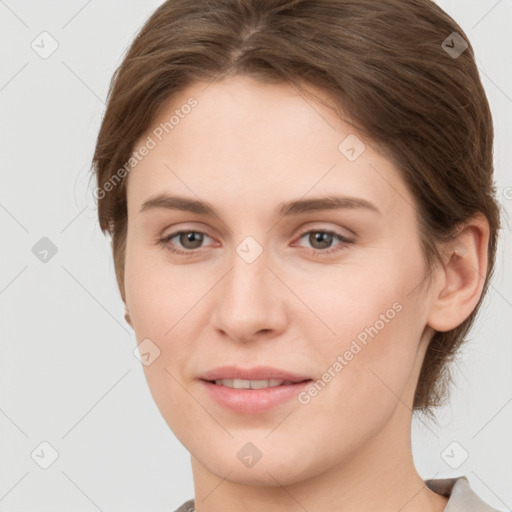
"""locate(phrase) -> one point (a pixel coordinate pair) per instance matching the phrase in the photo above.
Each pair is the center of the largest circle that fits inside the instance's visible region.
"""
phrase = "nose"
(250, 301)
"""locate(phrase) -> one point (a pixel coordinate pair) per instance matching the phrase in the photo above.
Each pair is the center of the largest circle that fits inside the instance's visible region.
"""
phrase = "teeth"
(250, 384)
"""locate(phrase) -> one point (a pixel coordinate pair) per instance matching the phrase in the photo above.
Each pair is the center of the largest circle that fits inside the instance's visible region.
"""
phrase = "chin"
(272, 469)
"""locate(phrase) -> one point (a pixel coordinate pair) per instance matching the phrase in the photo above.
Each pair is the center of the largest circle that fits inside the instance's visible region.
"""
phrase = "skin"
(245, 148)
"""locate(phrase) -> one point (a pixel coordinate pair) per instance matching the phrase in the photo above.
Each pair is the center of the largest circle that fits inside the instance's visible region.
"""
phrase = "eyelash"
(165, 242)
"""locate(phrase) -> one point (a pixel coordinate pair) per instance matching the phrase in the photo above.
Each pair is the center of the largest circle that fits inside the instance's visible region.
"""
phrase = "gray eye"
(320, 239)
(190, 239)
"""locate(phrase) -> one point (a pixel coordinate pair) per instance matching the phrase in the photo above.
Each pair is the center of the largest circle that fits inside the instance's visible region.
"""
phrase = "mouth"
(255, 384)
(253, 396)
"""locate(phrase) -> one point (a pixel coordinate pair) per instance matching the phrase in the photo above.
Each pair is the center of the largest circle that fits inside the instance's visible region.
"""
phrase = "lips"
(254, 373)
(252, 401)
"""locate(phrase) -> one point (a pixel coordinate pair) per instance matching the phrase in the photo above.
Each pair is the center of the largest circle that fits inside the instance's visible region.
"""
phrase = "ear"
(462, 277)
(127, 317)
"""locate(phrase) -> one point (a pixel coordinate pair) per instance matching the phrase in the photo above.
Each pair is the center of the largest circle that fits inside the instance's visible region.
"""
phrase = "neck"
(380, 476)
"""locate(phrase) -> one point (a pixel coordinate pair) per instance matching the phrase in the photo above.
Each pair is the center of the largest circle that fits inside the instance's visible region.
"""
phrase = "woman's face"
(261, 288)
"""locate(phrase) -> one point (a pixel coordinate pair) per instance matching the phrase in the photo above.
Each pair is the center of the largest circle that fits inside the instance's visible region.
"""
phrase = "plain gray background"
(68, 374)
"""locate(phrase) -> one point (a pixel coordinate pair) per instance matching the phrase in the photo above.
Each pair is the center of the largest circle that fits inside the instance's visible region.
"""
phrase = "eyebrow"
(296, 207)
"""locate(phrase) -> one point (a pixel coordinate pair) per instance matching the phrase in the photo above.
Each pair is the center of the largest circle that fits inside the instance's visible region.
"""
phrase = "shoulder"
(188, 506)
(461, 498)
(460, 495)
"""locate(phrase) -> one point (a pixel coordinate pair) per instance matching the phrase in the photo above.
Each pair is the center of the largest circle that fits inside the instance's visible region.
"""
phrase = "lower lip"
(253, 401)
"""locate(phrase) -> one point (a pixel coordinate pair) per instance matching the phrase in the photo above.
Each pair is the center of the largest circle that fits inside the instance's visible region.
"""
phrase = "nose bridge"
(248, 280)
(248, 299)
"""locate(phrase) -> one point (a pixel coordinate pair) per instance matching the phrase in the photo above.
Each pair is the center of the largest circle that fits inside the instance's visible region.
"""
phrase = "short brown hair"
(387, 64)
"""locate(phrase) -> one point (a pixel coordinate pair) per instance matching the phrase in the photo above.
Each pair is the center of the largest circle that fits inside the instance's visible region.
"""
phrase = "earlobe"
(127, 317)
(463, 276)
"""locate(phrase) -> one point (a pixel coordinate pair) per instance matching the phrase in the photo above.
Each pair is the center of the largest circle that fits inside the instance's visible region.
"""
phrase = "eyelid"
(343, 241)
(172, 231)
(321, 226)
(325, 230)
(165, 239)
(303, 230)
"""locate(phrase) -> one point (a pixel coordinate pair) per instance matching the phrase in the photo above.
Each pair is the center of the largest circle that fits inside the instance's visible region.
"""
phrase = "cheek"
(158, 293)
(163, 306)
(167, 307)
(367, 365)
(375, 321)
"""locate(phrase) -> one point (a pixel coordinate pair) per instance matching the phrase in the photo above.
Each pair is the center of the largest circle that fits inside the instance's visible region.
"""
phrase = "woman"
(300, 199)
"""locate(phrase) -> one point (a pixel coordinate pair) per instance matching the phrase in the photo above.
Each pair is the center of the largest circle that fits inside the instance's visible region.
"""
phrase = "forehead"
(243, 140)
(243, 119)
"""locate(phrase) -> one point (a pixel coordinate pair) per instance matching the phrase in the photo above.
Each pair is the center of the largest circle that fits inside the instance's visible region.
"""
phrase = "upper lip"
(254, 373)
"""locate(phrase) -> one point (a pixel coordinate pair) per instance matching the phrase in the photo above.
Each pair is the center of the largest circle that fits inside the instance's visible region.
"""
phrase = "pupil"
(326, 238)
(191, 237)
